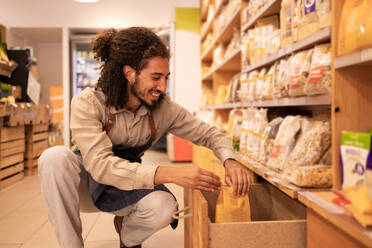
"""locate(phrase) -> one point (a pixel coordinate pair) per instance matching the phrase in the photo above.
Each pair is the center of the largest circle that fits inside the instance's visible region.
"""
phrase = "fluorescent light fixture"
(86, 1)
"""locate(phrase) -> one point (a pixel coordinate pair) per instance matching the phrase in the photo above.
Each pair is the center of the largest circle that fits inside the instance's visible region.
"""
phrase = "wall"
(49, 54)
(67, 14)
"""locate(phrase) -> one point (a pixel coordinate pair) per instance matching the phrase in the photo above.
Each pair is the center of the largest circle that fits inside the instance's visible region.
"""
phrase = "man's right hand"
(188, 177)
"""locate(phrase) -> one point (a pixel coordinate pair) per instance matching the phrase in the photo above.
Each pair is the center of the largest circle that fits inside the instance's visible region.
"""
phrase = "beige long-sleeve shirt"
(89, 116)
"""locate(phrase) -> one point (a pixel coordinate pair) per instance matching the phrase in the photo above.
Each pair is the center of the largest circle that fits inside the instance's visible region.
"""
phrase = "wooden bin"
(36, 143)
(12, 147)
(277, 221)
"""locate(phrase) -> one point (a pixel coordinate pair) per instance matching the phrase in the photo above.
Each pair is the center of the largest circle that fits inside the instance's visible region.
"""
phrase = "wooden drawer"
(277, 221)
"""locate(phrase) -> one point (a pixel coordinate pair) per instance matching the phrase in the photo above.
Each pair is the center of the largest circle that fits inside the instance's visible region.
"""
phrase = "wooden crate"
(16, 116)
(11, 133)
(31, 166)
(8, 181)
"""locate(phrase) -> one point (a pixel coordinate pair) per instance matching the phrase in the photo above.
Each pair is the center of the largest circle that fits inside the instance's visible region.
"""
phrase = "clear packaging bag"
(311, 145)
(285, 141)
(318, 176)
(300, 67)
(320, 77)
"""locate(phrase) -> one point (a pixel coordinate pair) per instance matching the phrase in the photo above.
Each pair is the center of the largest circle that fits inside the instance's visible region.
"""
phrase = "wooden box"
(12, 147)
(43, 115)
(277, 221)
(16, 117)
(30, 112)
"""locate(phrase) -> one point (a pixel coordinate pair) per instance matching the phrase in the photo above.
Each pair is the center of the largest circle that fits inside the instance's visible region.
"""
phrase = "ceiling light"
(86, 1)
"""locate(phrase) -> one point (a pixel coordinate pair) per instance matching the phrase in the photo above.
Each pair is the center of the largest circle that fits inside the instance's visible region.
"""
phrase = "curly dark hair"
(116, 48)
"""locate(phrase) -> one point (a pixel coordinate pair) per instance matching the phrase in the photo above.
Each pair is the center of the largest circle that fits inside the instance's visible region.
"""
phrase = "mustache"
(161, 93)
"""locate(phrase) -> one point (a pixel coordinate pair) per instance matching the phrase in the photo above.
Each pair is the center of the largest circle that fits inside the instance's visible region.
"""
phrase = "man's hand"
(238, 177)
(188, 177)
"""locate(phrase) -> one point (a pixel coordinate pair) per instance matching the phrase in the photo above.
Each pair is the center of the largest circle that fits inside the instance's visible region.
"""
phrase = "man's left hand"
(238, 177)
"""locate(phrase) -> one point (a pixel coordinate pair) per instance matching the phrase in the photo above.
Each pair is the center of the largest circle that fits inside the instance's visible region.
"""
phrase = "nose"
(162, 85)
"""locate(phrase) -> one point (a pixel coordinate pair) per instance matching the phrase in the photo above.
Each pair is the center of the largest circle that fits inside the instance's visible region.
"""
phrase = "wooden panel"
(37, 128)
(11, 160)
(268, 234)
(12, 133)
(11, 180)
(321, 233)
(353, 102)
(36, 136)
(36, 149)
(12, 151)
(12, 144)
(31, 163)
(31, 171)
(199, 220)
(11, 170)
(187, 195)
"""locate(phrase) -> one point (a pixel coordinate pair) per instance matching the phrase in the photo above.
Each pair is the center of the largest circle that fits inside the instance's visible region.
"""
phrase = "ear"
(129, 73)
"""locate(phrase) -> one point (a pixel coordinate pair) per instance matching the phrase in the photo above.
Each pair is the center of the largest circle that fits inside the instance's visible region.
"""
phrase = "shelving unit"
(317, 38)
(350, 103)
(283, 102)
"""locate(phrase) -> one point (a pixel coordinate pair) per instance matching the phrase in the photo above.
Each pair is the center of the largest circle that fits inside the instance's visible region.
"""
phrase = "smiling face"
(149, 86)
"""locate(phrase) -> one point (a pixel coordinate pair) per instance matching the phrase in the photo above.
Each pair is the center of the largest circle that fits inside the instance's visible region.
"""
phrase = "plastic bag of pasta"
(366, 25)
(318, 176)
(320, 77)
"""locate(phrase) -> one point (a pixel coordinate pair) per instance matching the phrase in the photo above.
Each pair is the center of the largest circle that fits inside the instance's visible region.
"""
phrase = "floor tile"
(10, 246)
(16, 229)
(102, 244)
(44, 238)
(103, 229)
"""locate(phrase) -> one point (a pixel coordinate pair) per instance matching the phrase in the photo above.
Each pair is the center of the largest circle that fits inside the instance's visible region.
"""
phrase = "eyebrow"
(159, 74)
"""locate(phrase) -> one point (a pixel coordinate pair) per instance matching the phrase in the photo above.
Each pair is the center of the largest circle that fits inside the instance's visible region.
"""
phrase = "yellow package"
(358, 195)
(221, 94)
(349, 26)
(286, 23)
(366, 25)
(231, 208)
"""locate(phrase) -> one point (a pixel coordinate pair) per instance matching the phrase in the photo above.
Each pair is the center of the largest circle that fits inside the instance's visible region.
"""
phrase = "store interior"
(288, 80)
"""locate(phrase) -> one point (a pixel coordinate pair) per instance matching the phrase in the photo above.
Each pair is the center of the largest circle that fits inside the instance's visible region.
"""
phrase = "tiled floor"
(24, 221)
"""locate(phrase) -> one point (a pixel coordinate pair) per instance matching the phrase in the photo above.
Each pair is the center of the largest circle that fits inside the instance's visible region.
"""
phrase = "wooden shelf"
(273, 177)
(283, 102)
(318, 37)
(273, 7)
(321, 203)
(224, 35)
(209, 25)
(363, 57)
(231, 63)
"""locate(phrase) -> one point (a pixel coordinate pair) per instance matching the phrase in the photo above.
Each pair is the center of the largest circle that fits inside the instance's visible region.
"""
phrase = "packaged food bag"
(260, 84)
(284, 142)
(348, 30)
(244, 87)
(300, 67)
(311, 145)
(252, 81)
(320, 77)
(324, 13)
(365, 40)
(310, 18)
(286, 23)
(318, 176)
(230, 208)
(356, 160)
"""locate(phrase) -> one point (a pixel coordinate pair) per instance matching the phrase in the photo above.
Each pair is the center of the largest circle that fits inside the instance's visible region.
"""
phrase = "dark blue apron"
(107, 198)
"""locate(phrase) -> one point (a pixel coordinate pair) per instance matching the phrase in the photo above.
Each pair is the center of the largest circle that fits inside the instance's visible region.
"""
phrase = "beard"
(134, 88)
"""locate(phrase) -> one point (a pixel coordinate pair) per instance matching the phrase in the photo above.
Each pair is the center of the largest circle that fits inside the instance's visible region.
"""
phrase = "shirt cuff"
(226, 154)
(145, 176)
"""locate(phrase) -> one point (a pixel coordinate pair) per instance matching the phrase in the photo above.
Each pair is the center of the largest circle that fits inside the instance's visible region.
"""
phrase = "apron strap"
(152, 126)
(112, 118)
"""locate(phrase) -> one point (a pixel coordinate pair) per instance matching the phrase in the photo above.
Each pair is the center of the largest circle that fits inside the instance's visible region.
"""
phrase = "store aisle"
(24, 221)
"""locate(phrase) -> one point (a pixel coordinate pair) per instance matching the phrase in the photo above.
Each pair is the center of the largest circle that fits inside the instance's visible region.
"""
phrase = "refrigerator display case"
(85, 70)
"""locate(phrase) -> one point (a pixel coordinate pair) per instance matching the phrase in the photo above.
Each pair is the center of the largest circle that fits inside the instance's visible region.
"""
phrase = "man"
(112, 126)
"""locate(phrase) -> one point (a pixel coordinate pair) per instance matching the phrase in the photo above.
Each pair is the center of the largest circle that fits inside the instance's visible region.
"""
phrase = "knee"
(159, 209)
(56, 160)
